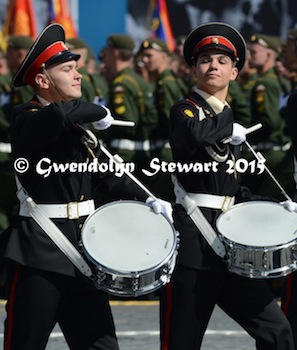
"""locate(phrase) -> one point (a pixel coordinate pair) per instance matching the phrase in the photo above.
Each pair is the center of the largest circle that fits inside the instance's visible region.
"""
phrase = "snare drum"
(132, 249)
(260, 239)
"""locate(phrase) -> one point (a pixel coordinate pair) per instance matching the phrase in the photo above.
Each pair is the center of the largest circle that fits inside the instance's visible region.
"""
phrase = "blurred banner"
(59, 12)
(160, 24)
(20, 19)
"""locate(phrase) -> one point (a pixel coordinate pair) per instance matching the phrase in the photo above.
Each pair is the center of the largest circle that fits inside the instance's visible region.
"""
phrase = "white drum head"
(127, 236)
(258, 224)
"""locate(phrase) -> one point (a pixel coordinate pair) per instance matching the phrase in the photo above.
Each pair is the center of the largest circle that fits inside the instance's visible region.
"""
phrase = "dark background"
(273, 17)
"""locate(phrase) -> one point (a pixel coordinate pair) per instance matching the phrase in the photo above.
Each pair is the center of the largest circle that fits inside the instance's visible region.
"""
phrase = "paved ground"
(137, 328)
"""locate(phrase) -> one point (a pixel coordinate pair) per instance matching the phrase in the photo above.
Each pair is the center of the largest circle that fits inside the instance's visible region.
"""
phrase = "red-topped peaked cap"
(48, 49)
(215, 35)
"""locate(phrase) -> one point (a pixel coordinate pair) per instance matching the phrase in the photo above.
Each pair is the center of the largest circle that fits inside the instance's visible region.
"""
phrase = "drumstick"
(247, 131)
(117, 159)
(122, 123)
(114, 158)
(253, 128)
(260, 157)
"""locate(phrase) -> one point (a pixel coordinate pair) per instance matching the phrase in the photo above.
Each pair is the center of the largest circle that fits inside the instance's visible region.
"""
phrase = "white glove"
(238, 135)
(289, 205)
(105, 122)
(161, 207)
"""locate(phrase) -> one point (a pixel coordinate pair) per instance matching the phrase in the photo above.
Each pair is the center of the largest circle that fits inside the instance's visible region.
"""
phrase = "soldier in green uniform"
(239, 104)
(168, 91)
(130, 99)
(270, 140)
(7, 188)
(17, 48)
(247, 76)
(184, 71)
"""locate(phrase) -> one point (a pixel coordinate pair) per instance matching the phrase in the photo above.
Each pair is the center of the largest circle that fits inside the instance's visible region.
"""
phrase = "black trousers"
(188, 302)
(289, 302)
(37, 300)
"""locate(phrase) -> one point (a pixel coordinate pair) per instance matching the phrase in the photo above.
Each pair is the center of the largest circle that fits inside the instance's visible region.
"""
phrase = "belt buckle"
(72, 209)
(226, 203)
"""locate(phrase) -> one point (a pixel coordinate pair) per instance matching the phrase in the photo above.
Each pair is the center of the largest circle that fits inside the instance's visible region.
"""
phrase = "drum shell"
(261, 262)
(144, 268)
(260, 239)
(133, 284)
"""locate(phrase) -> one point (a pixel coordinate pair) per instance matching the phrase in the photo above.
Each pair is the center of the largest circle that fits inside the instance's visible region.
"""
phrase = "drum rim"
(121, 273)
(245, 204)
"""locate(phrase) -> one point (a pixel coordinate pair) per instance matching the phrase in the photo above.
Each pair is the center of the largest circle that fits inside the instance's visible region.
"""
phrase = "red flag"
(20, 19)
(59, 12)
(161, 27)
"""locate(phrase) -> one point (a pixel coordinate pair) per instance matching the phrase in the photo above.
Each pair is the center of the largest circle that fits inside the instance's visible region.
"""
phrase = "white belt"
(211, 201)
(5, 147)
(71, 210)
(160, 144)
(198, 218)
(262, 146)
(130, 145)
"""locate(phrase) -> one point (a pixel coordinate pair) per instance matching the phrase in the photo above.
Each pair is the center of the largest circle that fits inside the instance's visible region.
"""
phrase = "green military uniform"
(131, 99)
(168, 90)
(270, 140)
(246, 84)
(87, 88)
(6, 175)
(93, 86)
(9, 99)
(101, 88)
(239, 104)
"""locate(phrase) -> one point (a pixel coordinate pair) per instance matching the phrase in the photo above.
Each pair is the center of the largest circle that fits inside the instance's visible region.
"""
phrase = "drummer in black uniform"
(43, 286)
(215, 52)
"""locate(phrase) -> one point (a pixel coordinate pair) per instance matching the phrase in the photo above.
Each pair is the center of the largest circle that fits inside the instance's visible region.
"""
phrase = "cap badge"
(64, 45)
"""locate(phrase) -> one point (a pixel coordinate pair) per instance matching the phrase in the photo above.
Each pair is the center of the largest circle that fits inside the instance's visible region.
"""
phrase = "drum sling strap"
(199, 219)
(53, 232)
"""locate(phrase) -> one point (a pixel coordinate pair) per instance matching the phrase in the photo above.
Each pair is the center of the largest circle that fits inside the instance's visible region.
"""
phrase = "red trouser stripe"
(165, 345)
(8, 340)
(285, 306)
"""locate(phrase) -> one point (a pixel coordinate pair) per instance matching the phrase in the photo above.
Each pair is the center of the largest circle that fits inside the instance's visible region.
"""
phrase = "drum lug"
(135, 282)
(167, 272)
(100, 276)
(294, 252)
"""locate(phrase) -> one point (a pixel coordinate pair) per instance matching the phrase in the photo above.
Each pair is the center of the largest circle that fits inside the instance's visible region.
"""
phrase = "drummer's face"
(213, 71)
(64, 81)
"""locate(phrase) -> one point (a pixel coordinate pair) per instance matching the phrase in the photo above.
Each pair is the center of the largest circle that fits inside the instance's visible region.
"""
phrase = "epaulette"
(189, 113)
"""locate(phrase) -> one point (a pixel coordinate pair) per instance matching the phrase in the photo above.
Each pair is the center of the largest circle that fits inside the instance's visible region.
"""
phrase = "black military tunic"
(191, 142)
(48, 132)
(201, 279)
